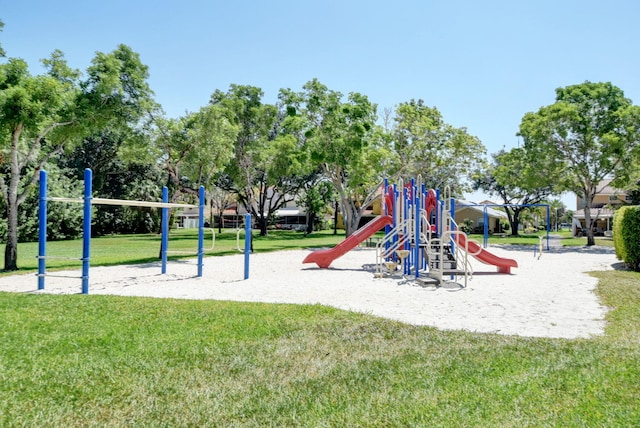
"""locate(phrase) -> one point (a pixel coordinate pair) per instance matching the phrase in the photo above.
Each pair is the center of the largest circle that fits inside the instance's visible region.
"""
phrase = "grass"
(119, 361)
(533, 239)
(94, 360)
(128, 249)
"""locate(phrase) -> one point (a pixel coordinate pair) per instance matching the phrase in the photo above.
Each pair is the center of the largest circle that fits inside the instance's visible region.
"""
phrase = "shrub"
(618, 242)
(466, 226)
(626, 235)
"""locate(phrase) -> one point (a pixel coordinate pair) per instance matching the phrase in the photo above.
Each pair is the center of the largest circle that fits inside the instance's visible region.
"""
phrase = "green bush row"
(626, 236)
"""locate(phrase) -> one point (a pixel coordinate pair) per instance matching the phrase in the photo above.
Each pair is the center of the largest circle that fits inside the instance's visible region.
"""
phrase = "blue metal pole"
(247, 244)
(165, 230)
(42, 233)
(438, 210)
(485, 218)
(548, 221)
(201, 231)
(86, 230)
(417, 208)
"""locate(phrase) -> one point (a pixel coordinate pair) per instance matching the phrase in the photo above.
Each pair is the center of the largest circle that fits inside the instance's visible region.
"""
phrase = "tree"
(519, 178)
(427, 146)
(590, 133)
(115, 176)
(220, 200)
(42, 115)
(556, 212)
(316, 198)
(193, 148)
(2, 52)
(268, 168)
(342, 138)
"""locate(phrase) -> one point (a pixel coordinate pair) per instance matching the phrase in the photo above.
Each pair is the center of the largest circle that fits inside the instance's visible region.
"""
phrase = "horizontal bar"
(122, 202)
(78, 259)
(57, 276)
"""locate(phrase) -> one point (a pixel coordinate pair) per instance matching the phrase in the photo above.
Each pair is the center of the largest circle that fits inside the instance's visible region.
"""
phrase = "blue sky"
(483, 64)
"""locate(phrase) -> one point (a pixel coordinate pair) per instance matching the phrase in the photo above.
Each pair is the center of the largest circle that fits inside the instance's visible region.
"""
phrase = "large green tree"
(591, 133)
(341, 137)
(42, 115)
(518, 178)
(116, 176)
(268, 167)
(192, 149)
(428, 146)
(2, 52)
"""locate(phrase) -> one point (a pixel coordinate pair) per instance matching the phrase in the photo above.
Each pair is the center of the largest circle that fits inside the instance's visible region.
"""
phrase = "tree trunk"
(311, 218)
(335, 219)
(262, 224)
(11, 249)
(515, 225)
(588, 226)
(350, 220)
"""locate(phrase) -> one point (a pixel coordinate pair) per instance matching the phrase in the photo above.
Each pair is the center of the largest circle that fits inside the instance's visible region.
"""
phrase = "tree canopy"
(268, 167)
(42, 115)
(426, 145)
(519, 178)
(341, 136)
(590, 133)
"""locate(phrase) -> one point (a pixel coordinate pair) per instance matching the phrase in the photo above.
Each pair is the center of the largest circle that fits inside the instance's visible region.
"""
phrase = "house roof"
(595, 213)
(605, 188)
(491, 212)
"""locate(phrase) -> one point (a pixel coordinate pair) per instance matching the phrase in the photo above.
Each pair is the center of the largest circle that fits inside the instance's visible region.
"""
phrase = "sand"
(547, 296)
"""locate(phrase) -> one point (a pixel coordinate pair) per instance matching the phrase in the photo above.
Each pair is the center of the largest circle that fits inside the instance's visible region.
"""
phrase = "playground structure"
(88, 200)
(421, 240)
(485, 207)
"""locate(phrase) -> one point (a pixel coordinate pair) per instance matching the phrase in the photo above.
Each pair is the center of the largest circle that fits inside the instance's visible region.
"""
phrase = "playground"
(548, 296)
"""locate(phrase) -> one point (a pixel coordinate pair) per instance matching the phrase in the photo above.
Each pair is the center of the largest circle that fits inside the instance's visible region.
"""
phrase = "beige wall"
(602, 200)
(477, 217)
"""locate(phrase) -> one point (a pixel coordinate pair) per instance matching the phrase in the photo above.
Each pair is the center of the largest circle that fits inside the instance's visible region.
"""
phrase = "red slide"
(504, 265)
(323, 258)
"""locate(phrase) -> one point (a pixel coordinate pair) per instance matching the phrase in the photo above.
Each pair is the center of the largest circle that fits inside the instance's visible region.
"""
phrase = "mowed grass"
(534, 239)
(90, 360)
(183, 243)
(93, 360)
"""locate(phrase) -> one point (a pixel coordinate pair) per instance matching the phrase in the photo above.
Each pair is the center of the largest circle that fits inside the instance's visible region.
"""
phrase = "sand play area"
(549, 296)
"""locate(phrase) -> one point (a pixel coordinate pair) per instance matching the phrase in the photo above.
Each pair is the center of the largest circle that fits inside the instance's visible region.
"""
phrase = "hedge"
(626, 236)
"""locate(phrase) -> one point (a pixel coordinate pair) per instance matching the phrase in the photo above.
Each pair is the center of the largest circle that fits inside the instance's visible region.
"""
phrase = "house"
(476, 213)
(604, 205)
(289, 217)
(187, 218)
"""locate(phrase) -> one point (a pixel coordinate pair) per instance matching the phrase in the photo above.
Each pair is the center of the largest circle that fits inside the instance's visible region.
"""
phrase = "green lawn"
(128, 249)
(91, 360)
(533, 239)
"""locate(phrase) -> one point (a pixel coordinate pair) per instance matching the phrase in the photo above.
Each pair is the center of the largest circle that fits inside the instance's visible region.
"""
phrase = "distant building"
(476, 213)
(605, 202)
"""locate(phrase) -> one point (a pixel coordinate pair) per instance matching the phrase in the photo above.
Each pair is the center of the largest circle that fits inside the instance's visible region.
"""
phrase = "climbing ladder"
(414, 245)
(446, 260)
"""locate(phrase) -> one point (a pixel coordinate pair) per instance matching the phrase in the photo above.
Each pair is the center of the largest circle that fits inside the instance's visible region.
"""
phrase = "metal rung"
(42, 275)
(60, 258)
